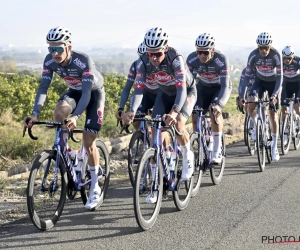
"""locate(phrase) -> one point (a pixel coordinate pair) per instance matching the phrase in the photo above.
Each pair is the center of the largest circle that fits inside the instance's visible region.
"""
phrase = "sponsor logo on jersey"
(139, 75)
(208, 76)
(265, 68)
(139, 86)
(179, 83)
(46, 78)
(162, 77)
(100, 114)
(180, 72)
(176, 63)
(218, 62)
(139, 65)
(225, 71)
(79, 63)
(130, 74)
(49, 62)
(87, 73)
(46, 71)
(72, 81)
(193, 59)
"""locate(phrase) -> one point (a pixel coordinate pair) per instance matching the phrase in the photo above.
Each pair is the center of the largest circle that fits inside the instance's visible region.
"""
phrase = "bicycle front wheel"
(103, 174)
(46, 196)
(217, 171)
(135, 152)
(197, 149)
(296, 138)
(261, 152)
(147, 186)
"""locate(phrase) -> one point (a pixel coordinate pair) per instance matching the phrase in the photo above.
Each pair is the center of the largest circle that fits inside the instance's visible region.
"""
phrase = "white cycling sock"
(185, 149)
(217, 141)
(94, 176)
(274, 140)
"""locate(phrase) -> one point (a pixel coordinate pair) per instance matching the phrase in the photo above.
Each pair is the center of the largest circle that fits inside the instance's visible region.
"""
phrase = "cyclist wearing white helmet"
(149, 95)
(214, 85)
(177, 94)
(266, 63)
(291, 81)
(85, 93)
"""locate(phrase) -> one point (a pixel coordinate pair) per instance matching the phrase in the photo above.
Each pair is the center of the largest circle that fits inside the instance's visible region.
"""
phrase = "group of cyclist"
(266, 72)
(165, 81)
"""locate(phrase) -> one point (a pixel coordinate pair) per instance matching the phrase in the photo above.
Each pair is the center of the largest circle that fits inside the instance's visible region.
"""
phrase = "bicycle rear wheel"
(197, 148)
(217, 171)
(286, 134)
(45, 202)
(103, 174)
(261, 152)
(135, 152)
(145, 212)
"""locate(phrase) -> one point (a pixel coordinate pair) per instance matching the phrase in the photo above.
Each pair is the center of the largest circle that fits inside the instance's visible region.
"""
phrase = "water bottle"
(210, 143)
(77, 167)
(73, 156)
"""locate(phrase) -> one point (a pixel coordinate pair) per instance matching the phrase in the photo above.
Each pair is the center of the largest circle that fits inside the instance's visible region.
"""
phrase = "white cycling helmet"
(141, 49)
(205, 41)
(264, 39)
(288, 51)
(59, 34)
(156, 38)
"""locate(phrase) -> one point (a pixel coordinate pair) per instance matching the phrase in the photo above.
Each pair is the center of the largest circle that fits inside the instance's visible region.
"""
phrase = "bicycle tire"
(296, 139)
(135, 153)
(269, 142)
(182, 195)
(196, 144)
(251, 143)
(246, 134)
(261, 152)
(104, 180)
(144, 185)
(35, 211)
(216, 178)
(286, 131)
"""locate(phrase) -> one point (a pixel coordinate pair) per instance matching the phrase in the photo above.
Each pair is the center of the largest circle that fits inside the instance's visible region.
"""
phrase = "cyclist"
(214, 85)
(268, 65)
(86, 92)
(148, 96)
(177, 94)
(291, 80)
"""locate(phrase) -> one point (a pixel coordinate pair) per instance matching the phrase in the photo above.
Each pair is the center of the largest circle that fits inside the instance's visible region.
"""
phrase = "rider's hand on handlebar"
(128, 117)
(170, 119)
(71, 124)
(273, 100)
(119, 114)
(217, 109)
(32, 119)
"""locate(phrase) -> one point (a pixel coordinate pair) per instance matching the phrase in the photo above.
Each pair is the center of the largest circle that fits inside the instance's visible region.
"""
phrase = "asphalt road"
(247, 210)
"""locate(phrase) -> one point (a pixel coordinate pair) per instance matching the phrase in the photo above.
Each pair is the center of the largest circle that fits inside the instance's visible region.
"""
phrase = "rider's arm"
(88, 77)
(140, 80)
(43, 88)
(226, 86)
(242, 85)
(279, 72)
(178, 65)
(249, 70)
(129, 83)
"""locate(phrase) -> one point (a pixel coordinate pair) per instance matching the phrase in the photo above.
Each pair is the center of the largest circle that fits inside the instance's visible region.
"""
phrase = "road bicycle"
(156, 182)
(200, 140)
(290, 128)
(53, 176)
(263, 140)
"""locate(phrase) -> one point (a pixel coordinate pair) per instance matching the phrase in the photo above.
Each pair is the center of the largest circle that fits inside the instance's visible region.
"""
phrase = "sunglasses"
(264, 47)
(287, 58)
(156, 54)
(204, 52)
(57, 49)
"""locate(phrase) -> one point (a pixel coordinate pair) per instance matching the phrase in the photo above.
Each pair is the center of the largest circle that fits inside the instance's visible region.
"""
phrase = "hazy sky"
(123, 23)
